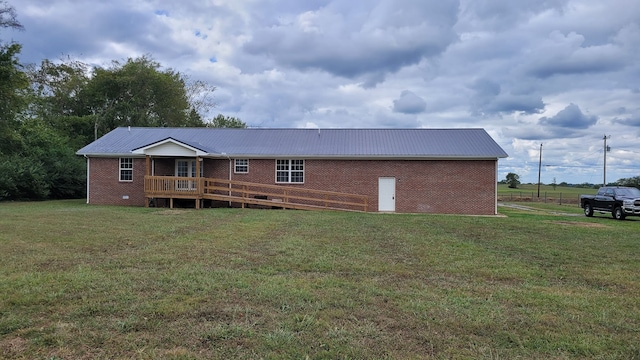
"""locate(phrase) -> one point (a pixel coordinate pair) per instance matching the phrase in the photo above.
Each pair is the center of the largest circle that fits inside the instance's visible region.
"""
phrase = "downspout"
(88, 168)
(495, 192)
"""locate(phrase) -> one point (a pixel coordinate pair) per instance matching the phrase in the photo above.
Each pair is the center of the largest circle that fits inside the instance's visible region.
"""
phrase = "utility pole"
(539, 168)
(604, 172)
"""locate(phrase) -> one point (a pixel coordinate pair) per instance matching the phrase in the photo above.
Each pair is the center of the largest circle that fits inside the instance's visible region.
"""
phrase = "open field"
(94, 282)
(529, 192)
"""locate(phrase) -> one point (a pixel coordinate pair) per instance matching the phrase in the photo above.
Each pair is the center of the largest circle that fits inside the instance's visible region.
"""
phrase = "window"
(242, 166)
(126, 169)
(290, 171)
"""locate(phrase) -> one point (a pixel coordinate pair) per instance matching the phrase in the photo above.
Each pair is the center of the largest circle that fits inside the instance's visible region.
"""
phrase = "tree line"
(49, 111)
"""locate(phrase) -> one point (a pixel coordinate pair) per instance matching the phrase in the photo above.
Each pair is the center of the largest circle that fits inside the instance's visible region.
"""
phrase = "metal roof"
(308, 143)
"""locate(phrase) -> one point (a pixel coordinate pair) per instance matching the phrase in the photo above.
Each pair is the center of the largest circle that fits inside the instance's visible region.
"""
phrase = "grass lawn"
(94, 282)
(529, 188)
(529, 192)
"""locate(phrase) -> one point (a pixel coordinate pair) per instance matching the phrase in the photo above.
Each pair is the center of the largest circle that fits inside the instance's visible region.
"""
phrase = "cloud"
(409, 103)
(565, 55)
(489, 99)
(505, 14)
(628, 121)
(570, 117)
(541, 132)
(351, 42)
(115, 31)
(509, 103)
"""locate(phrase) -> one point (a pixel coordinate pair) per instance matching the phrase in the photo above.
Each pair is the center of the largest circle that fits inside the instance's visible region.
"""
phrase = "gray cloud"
(562, 55)
(383, 38)
(528, 104)
(570, 117)
(541, 132)
(629, 121)
(504, 14)
(489, 99)
(409, 103)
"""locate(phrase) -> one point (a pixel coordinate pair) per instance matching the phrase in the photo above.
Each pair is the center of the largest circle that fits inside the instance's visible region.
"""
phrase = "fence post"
(560, 198)
(545, 197)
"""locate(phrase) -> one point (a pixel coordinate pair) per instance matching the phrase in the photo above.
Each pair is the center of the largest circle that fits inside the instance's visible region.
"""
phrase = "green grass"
(80, 281)
(529, 192)
(533, 188)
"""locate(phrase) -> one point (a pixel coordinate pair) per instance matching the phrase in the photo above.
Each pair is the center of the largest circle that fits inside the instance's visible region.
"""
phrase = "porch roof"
(308, 143)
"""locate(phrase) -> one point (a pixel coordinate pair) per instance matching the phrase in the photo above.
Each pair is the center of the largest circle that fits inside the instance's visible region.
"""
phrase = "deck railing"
(243, 193)
(172, 186)
(248, 193)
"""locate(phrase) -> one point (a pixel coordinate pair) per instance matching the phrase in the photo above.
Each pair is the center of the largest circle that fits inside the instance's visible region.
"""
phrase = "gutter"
(319, 157)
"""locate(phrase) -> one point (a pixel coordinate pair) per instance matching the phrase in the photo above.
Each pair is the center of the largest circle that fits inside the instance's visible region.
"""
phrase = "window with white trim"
(290, 171)
(241, 166)
(126, 169)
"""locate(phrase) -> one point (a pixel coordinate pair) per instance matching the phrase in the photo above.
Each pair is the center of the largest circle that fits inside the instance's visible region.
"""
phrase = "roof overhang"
(140, 154)
(355, 157)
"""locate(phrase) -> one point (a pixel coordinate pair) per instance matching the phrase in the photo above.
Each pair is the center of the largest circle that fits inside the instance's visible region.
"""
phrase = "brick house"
(386, 170)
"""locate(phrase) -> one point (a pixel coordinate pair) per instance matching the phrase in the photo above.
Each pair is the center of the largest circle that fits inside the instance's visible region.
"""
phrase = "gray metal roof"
(308, 143)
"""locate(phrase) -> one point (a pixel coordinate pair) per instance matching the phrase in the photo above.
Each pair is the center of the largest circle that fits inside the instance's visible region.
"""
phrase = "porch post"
(147, 172)
(199, 185)
(148, 169)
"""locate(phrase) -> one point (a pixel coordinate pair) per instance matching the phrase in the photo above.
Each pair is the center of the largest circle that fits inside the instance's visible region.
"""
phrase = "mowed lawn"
(93, 282)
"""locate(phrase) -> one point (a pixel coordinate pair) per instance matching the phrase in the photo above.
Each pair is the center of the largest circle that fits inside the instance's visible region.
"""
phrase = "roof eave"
(323, 157)
(359, 157)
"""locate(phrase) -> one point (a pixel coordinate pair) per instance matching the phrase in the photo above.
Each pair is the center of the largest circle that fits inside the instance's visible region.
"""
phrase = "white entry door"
(387, 194)
(186, 168)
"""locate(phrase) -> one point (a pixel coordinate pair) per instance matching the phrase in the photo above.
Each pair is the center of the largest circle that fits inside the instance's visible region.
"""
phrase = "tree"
(138, 93)
(221, 121)
(8, 17)
(632, 181)
(12, 78)
(13, 84)
(56, 99)
(200, 96)
(513, 180)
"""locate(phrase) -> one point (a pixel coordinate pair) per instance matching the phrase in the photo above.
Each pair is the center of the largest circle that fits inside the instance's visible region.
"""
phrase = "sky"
(558, 73)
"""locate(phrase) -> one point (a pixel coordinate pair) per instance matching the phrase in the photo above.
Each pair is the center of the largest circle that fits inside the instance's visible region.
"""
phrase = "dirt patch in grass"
(13, 345)
(580, 224)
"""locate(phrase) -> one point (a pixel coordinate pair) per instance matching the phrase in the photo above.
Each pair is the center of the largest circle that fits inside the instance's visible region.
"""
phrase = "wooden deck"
(246, 193)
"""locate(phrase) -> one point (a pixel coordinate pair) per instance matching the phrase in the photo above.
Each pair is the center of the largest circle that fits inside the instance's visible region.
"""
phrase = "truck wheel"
(618, 214)
(588, 210)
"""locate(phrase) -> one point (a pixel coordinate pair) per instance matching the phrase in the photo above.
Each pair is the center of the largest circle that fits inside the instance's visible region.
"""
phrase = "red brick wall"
(105, 187)
(434, 186)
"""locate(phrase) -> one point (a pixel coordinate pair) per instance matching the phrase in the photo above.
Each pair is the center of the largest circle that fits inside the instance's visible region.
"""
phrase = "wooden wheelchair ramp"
(243, 194)
(286, 197)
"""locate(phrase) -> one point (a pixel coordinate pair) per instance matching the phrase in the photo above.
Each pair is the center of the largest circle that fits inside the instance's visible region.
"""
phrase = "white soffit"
(169, 147)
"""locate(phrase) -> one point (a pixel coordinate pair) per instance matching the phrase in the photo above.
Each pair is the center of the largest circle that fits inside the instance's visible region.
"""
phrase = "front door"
(186, 168)
(387, 194)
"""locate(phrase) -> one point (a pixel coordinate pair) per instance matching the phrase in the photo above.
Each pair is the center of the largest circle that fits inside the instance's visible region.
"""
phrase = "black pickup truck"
(620, 201)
